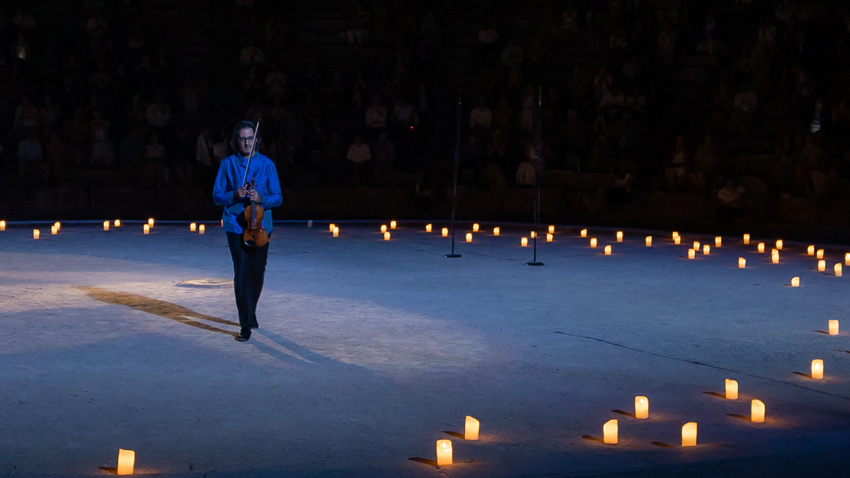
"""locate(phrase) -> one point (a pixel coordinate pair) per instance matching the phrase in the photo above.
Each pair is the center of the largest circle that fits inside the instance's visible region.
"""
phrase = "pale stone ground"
(369, 350)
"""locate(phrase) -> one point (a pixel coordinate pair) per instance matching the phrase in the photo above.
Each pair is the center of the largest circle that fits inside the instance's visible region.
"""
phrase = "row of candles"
(146, 228)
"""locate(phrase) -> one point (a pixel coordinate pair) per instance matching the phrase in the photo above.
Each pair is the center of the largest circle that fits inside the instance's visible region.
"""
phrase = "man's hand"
(242, 192)
(255, 196)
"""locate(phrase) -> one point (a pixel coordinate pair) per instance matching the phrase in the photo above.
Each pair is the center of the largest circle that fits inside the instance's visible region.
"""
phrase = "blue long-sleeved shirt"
(229, 179)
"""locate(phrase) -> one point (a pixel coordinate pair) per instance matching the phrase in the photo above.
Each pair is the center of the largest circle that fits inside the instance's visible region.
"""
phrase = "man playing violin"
(233, 190)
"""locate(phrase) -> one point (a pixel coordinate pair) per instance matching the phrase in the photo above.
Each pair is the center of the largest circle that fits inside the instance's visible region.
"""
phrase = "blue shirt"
(229, 179)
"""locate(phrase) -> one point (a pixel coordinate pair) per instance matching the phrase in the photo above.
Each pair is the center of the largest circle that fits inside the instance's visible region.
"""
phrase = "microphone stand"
(537, 168)
(454, 191)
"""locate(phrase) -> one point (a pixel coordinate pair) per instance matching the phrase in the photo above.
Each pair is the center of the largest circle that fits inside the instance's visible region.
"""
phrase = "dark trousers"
(249, 269)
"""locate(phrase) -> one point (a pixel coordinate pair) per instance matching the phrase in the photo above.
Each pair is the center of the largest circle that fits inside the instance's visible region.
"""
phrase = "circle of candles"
(774, 256)
(383, 228)
(202, 229)
(833, 327)
(57, 225)
(610, 432)
(444, 452)
(696, 245)
(471, 428)
(331, 227)
(746, 239)
(607, 250)
(641, 407)
(817, 369)
(718, 241)
(126, 462)
(496, 231)
(761, 247)
(706, 249)
(810, 250)
(820, 254)
(583, 233)
(117, 223)
(742, 263)
(837, 270)
(551, 229)
(757, 411)
(821, 265)
(336, 231)
(387, 236)
(677, 240)
(795, 282)
(619, 236)
(53, 230)
(523, 241)
(2, 225)
(731, 389)
(689, 434)
(36, 233)
(428, 227)
(779, 244)
(550, 237)
(468, 237)
(648, 241)
(592, 242)
(475, 227)
(193, 227)
(692, 253)
(105, 225)
(150, 222)
(147, 229)
(445, 232)
(393, 224)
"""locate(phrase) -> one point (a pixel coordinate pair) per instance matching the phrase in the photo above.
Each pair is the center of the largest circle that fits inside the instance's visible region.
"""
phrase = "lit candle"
(833, 327)
(53, 230)
(336, 232)
(496, 231)
(757, 411)
(383, 228)
(742, 263)
(675, 234)
(428, 227)
(393, 224)
(817, 369)
(607, 250)
(147, 228)
(706, 249)
(779, 244)
(584, 233)
(331, 227)
(36, 233)
(810, 250)
(847, 259)
(820, 254)
(551, 229)
(692, 254)
(641, 407)
(126, 462)
(689, 434)
(533, 234)
(761, 247)
(468, 237)
(475, 227)
(387, 236)
(746, 239)
(795, 282)
(592, 242)
(696, 245)
(202, 229)
(550, 237)
(648, 241)
(2, 225)
(471, 428)
(774, 256)
(677, 240)
(444, 452)
(821, 265)
(150, 222)
(117, 223)
(837, 269)
(193, 227)
(445, 232)
(57, 225)
(610, 432)
(619, 236)
(731, 389)
(105, 225)
(718, 241)
(523, 242)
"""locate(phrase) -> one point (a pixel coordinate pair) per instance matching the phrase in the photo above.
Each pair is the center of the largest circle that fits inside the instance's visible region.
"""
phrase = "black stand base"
(534, 263)
(452, 256)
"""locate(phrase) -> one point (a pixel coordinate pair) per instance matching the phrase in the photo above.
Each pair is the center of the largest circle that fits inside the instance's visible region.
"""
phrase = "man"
(232, 191)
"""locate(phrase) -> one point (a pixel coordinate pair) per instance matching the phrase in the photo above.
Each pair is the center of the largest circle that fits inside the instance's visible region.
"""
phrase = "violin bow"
(254, 145)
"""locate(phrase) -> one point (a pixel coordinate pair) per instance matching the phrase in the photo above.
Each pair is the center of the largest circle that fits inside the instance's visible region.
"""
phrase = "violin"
(254, 234)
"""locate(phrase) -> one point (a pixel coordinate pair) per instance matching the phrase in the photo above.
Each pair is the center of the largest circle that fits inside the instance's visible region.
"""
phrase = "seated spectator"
(730, 201)
(376, 118)
(275, 81)
(21, 49)
(101, 149)
(481, 117)
(359, 155)
(487, 34)
(48, 115)
(30, 156)
(251, 54)
(403, 115)
(675, 173)
(23, 21)
(26, 117)
(383, 154)
(158, 113)
(744, 103)
(157, 173)
(706, 165)
(358, 26)
(55, 153)
(525, 174)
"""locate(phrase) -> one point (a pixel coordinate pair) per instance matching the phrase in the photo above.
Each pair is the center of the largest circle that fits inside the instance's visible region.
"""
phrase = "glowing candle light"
(592, 242)
(774, 256)
(692, 254)
(468, 237)
(810, 250)
(847, 259)
(444, 452)
(387, 236)
(779, 244)
(117, 223)
(761, 247)
(533, 234)
(833, 327)
(746, 239)
(610, 432)
(795, 282)
(126, 462)
(496, 231)
(837, 270)
(445, 232)
(607, 250)
(147, 229)
(706, 249)
(202, 229)
(105, 225)
(383, 228)
(550, 237)
(2, 225)
(471, 428)
(689, 434)
(821, 265)
(336, 232)
(53, 230)
(584, 233)
(57, 225)
(193, 227)
(742, 263)
(150, 222)
(475, 227)
(757, 411)
(731, 389)
(221, 223)
(677, 240)
(718, 241)
(428, 227)
(523, 242)
(675, 234)
(551, 229)
(36, 233)
(648, 241)
(820, 254)
(817, 369)
(696, 245)
(331, 227)
(619, 236)
(641, 407)
(393, 224)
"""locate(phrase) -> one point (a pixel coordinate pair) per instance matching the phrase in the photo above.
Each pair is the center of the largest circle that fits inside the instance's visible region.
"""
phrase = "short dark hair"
(234, 139)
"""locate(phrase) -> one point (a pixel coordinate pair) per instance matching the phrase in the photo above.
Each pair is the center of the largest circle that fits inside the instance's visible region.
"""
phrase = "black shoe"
(243, 337)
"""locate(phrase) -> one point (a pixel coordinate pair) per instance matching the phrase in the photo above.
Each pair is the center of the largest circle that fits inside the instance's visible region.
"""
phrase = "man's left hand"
(255, 196)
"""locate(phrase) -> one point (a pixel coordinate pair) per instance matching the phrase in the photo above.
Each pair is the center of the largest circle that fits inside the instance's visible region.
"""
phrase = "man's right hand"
(242, 192)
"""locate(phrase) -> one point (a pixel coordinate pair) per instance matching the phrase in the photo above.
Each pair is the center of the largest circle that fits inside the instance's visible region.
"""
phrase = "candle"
(689, 434)
(150, 222)
(779, 244)
(551, 229)
(105, 225)
(550, 237)
(761, 247)
(393, 224)
(336, 231)
(468, 237)
(692, 253)
(117, 223)
(821, 265)
(847, 259)
(331, 227)
(718, 241)
(817, 369)
(592, 242)
(53, 230)
(475, 227)
(677, 240)
(147, 228)
(706, 249)
(731, 389)
(496, 231)
(309, 223)
(2, 225)
(202, 229)
(36, 233)
(607, 250)
(444, 452)
(619, 236)
(193, 227)
(387, 236)
(757, 411)
(675, 234)
(126, 461)
(57, 225)
(810, 250)
(533, 234)
(820, 254)
(523, 242)
(641, 407)
(609, 432)
(648, 241)
(774, 256)
(837, 269)
(383, 228)
(742, 263)
(795, 282)
(471, 428)
(584, 233)
(696, 245)
(833, 327)
(445, 232)
(428, 227)
(746, 239)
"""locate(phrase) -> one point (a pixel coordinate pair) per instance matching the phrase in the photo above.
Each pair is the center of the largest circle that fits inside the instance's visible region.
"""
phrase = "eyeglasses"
(246, 140)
